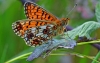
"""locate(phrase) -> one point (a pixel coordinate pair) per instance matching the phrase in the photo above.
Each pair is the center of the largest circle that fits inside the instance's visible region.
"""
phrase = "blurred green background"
(12, 10)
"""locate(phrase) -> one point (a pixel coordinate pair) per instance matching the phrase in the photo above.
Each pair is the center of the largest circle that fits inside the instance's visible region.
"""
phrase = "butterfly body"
(40, 26)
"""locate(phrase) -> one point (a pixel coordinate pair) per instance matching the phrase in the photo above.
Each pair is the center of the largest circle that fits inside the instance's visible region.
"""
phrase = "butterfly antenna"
(67, 15)
(72, 9)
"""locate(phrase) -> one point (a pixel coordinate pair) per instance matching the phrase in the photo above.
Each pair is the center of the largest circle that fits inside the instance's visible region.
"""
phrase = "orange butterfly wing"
(21, 26)
(33, 11)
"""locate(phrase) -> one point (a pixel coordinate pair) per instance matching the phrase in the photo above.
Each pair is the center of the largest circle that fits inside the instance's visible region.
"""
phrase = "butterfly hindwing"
(38, 35)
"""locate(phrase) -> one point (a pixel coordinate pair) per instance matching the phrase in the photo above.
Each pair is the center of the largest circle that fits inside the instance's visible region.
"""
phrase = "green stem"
(90, 42)
(19, 57)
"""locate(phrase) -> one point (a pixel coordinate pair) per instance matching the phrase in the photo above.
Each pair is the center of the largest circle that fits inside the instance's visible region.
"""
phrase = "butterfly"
(40, 25)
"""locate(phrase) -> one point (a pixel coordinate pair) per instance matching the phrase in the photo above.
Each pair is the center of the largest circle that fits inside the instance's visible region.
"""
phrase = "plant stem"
(18, 57)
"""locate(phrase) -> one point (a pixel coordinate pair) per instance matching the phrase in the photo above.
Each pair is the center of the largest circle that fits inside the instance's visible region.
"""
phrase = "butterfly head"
(65, 21)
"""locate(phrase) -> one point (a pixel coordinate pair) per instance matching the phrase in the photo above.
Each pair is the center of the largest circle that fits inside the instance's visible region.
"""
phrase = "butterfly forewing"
(33, 11)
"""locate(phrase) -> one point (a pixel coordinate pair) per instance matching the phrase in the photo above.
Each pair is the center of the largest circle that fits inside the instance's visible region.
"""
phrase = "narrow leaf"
(97, 11)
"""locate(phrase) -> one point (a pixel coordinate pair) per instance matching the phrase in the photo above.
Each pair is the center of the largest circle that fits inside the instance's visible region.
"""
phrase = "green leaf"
(97, 12)
(96, 58)
(83, 30)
